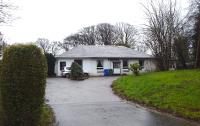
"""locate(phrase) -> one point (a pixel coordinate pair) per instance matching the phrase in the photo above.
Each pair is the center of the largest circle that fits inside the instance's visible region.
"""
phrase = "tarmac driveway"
(92, 103)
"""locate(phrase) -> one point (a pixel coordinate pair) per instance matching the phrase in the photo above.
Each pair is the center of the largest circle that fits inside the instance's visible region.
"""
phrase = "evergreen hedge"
(22, 81)
(50, 63)
(76, 72)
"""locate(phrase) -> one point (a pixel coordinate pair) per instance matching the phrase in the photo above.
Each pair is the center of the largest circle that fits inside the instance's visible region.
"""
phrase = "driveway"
(92, 103)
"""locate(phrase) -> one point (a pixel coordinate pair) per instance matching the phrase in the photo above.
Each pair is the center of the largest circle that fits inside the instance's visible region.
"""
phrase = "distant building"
(95, 59)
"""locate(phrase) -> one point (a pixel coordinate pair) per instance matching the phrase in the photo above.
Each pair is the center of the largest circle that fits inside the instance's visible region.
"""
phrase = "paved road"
(92, 103)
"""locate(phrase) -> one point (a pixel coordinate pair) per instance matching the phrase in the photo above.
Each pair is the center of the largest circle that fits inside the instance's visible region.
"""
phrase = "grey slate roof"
(92, 51)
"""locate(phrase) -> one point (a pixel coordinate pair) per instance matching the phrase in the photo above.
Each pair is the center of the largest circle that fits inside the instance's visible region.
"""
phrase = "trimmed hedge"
(76, 72)
(22, 81)
(50, 63)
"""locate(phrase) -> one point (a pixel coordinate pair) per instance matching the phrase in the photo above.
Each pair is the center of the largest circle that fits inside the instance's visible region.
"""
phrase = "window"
(62, 65)
(99, 64)
(117, 64)
(141, 62)
(79, 62)
(125, 64)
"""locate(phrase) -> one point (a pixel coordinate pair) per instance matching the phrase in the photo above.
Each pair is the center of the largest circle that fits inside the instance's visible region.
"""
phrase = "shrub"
(110, 72)
(50, 63)
(22, 81)
(76, 72)
(135, 68)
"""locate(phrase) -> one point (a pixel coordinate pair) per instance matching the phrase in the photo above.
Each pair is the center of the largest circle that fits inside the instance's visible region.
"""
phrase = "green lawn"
(176, 92)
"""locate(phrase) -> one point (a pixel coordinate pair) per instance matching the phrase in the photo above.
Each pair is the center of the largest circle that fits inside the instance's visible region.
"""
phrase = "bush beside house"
(50, 64)
(22, 81)
(135, 68)
(76, 72)
(110, 72)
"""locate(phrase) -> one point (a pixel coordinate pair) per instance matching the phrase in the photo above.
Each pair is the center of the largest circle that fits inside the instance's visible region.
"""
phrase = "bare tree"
(47, 46)
(126, 35)
(3, 45)
(5, 17)
(106, 34)
(141, 47)
(63, 45)
(44, 44)
(88, 35)
(74, 40)
(102, 34)
(55, 47)
(162, 29)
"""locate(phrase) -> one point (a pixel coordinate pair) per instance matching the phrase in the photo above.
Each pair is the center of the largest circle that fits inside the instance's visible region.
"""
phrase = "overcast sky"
(56, 19)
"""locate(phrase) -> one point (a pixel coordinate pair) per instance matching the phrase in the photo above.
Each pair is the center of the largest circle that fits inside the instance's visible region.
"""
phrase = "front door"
(116, 67)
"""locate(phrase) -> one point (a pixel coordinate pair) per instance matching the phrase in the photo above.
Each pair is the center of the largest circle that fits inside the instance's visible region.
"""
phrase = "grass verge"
(47, 117)
(175, 92)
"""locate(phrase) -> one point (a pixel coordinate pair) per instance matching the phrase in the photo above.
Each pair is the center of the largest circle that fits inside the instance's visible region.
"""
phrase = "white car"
(66, 71)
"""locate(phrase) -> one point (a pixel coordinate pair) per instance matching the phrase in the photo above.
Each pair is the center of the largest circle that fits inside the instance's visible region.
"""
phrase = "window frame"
(99, 68)
(141, 61)
(62, 66)
(124, 67)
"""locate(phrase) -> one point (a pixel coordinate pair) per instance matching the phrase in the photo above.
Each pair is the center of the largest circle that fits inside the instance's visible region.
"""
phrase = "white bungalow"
(95, 59)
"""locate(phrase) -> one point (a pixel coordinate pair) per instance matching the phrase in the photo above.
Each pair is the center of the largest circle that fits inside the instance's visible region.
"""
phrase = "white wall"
(90, 65)
(56, 67)
(132, 61)
(107, 64)
(68, 64)
(149, 65)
